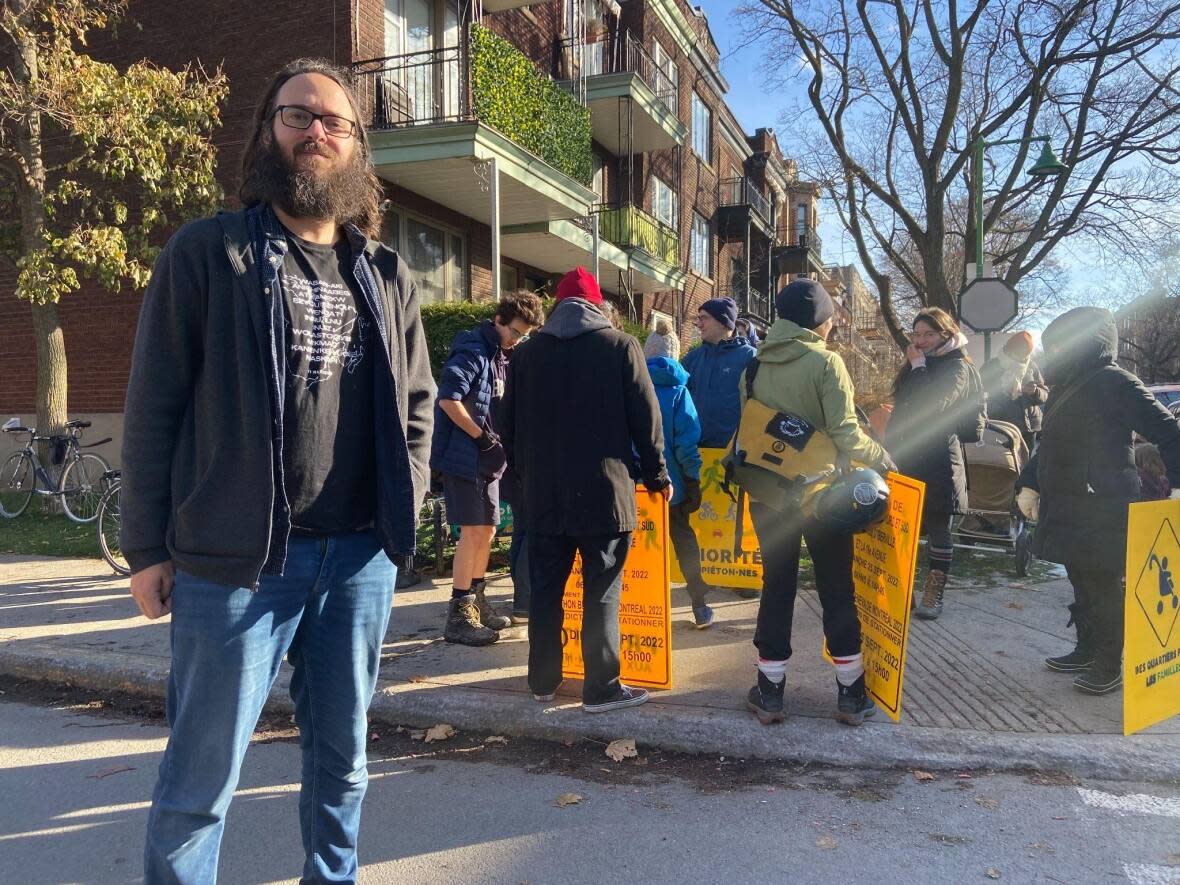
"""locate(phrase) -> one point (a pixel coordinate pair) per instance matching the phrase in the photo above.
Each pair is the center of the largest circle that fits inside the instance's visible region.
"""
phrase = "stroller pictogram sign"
(1156, 589)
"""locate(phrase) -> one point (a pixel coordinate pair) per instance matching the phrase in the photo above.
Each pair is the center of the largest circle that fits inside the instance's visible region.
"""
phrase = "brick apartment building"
(517, 139)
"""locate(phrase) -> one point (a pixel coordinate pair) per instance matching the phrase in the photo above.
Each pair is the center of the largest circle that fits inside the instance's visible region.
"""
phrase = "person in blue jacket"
(682, 433)
(714, 369)
(466, 450)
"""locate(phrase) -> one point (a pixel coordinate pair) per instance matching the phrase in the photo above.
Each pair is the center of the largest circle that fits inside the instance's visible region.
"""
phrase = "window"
(665, 77)
(702, 129)
(663, 202)
(597, 180)
(700, 247)
(507, 279)
(436, 257)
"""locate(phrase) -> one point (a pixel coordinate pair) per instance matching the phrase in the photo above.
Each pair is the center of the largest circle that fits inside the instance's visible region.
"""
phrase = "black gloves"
(491, 460)
(692, 495)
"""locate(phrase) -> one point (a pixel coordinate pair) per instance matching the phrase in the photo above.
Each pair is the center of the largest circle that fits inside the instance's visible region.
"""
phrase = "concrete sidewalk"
(976, 692)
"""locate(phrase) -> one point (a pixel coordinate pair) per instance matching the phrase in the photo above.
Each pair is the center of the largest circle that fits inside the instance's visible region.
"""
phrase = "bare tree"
(898, 92)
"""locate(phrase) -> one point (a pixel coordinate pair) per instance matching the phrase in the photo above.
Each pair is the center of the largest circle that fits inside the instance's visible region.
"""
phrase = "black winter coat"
(578, 409)
(1085, 466)
(930, 405)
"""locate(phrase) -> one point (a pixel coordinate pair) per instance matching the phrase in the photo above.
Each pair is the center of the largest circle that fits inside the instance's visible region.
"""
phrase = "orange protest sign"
(645, 618)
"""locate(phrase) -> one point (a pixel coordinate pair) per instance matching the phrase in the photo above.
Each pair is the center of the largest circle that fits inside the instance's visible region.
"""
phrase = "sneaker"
(1099, 680)
(1076, 661)
(853, 704)
(703, 615)
(545, 697)
(765, 700)
(488, 616)
(519, 619)
(463, 625)
(930, 607)
(627, 697)
(746, 592)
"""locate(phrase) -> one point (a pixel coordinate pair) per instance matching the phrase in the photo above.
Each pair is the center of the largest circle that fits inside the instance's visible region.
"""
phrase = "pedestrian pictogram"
(1155, 589)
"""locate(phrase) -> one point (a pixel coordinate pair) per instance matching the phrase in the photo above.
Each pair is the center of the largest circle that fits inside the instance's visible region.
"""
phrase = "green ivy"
(512, 96)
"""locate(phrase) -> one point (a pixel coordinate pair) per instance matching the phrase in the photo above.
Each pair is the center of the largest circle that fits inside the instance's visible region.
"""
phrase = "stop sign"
(988, 305)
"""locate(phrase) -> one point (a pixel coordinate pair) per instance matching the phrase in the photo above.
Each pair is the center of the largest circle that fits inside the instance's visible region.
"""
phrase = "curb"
(670, 726)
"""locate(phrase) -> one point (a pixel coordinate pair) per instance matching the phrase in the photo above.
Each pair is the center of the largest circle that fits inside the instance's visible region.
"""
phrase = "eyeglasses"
(518, 335)
(301, 118)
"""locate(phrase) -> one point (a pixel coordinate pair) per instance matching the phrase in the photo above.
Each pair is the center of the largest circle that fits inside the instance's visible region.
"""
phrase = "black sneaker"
(463, 626)
(1076, 661)
(488, 616)
(546, 696)
(853, 704)
(765, 700)
(627, 697)
(519, 619)
(1099, 680)
(747, 592)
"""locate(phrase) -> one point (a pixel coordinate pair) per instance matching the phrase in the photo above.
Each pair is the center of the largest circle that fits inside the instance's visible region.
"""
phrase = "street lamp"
(1046, 166)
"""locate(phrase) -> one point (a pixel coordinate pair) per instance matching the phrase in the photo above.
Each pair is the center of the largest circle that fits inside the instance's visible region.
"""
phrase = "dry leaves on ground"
(990, 804)
(827, 843)
(923, 775)
(440, 732)
(566, 799)
(623, 748)
(992, 873)
(495, 739)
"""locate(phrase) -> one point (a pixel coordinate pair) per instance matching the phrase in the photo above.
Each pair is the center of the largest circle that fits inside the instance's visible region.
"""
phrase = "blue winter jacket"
(713, 374)
(682, 427)
(466, 376)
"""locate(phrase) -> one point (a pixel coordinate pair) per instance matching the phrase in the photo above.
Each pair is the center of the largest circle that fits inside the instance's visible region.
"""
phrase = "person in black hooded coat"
(1085, 473)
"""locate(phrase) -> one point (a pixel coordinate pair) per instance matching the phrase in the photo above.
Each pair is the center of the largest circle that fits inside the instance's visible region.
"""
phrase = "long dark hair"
(367, 215)
(939, 320)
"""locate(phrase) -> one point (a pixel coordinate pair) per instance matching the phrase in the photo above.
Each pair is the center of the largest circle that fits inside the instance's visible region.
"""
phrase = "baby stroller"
(993, 467)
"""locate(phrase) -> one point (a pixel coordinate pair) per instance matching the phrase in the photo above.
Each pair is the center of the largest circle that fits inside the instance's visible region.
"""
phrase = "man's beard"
(337, 195)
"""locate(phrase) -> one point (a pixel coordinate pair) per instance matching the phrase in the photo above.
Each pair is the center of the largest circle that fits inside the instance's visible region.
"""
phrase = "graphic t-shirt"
(328, 433)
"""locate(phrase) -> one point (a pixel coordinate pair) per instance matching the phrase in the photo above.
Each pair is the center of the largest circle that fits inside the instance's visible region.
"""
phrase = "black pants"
(780, 535)
(551, 558)
(1099, 607)
(688, 552)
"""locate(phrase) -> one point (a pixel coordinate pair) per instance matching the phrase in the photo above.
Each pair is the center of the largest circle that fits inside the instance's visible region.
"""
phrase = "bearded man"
(277, 432)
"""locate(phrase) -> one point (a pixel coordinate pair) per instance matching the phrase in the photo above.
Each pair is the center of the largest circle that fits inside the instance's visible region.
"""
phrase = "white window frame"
(664, 202)
(702, 129)
(700, 251)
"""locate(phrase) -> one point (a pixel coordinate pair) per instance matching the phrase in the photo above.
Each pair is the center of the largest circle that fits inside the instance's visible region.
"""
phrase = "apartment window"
(702, 128)
(666, 76)
(700, 246)
(663, 202)
(596, 183)
(436, 256)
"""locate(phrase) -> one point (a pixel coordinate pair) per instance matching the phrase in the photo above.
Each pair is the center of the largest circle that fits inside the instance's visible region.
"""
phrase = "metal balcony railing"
(629, 227)
(801, 235)
(750, 300)
(616, 51)
(742, 192)
(414, 89)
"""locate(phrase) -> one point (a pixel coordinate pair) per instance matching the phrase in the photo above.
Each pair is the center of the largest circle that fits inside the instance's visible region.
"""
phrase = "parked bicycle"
(74, 477)
(109, 522)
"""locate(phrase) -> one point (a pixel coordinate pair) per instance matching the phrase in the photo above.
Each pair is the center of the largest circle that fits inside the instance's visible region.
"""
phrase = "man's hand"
(692, 495)
(666, 491)
(152, 590)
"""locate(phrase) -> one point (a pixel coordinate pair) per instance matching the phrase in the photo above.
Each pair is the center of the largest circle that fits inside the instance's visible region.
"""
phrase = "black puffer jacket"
(1085, 467)
(930, 406)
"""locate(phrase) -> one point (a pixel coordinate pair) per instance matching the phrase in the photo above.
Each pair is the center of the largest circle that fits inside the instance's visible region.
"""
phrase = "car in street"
(1168, 394)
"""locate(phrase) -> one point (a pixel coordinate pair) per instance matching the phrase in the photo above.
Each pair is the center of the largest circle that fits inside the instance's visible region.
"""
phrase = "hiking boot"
(627, 697)
(765, 700)
(463, 624)
(853, 704)
(1099, 679)
(702, 615)
(1076, 661)
(931, 605)
(488, 616)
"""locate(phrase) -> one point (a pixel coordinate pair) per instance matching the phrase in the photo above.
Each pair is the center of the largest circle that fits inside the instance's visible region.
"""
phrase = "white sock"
(850, 669)
(775, 671)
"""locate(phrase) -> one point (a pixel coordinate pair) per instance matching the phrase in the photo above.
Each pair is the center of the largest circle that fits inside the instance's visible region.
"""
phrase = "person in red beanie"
(580, 420)
(1015, 388)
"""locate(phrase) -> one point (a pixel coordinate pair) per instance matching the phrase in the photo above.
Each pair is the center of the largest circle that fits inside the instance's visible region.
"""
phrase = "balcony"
(652, 247)
(751, 301)
(435, 117)
(740, 206)
(799, 251)
(619, 72)
(501, 5)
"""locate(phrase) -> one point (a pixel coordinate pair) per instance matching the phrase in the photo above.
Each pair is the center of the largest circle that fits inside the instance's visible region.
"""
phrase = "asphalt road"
(74, 788)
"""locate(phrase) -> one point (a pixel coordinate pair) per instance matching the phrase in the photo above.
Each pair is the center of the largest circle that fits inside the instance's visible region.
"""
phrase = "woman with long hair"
(932, 402)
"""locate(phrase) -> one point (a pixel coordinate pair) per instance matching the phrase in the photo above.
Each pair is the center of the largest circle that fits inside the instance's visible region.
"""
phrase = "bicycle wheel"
(108, 531)
(81, 487)
(17, 481)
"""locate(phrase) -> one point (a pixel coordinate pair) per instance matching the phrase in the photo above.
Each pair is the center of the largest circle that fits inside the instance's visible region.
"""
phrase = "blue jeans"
(327, 613)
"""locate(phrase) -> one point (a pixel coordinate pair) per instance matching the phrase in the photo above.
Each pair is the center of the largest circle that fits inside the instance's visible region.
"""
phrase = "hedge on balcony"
(512, 96)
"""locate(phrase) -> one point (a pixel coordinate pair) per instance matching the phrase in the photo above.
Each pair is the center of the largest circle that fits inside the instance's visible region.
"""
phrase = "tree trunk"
(52, 411)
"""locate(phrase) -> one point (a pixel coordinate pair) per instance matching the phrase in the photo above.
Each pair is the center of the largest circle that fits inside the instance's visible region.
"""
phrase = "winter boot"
(853, 704)
(1082, 657)
(931, 605)
(765, 700)
(488, 616)
(1100, 679)
(463, 624)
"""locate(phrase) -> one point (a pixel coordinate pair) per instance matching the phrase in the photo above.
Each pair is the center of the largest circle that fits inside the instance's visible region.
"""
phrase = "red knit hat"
(579, 283)
(1019, 345)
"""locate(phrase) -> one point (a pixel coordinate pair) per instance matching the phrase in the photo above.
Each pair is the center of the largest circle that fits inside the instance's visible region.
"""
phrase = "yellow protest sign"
(884, 559)
(714, 525)
(1151, 648)
(645, 616)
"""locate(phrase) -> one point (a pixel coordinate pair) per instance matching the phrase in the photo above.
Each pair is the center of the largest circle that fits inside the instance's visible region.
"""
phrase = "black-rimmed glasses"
(301, 118)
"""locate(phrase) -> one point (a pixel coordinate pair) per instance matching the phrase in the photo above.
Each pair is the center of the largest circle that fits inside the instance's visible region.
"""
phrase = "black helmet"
(853, 502)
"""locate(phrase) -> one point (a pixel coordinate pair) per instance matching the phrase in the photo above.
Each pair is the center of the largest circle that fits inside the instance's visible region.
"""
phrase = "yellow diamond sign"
(1156, 589)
